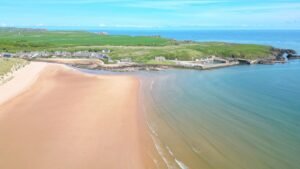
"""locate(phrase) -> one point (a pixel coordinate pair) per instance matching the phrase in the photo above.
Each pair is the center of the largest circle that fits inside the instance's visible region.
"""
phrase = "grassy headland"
(141, 49)
(30, 39)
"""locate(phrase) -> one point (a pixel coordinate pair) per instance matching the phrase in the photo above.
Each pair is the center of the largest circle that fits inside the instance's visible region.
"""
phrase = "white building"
(160, 59)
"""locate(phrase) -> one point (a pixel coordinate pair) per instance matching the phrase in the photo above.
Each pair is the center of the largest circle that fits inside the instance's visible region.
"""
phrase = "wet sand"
(69, 120)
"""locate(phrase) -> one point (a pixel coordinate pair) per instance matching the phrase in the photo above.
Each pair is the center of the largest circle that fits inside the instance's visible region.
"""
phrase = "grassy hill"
(20, 39)
(139, 48)
(185, 51)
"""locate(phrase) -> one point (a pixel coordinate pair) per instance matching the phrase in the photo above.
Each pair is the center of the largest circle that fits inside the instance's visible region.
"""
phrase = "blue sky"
(195, 14)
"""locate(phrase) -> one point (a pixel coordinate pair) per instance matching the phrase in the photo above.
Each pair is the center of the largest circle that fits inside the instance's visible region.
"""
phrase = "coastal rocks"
(278, 56)
(244, 61)
(257, 61)
(290, 51)
(281, 52)
(271, 60)
(265, 61)
(293, 56)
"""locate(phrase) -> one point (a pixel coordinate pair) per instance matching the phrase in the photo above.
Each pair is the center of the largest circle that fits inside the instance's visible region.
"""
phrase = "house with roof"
(7, 55)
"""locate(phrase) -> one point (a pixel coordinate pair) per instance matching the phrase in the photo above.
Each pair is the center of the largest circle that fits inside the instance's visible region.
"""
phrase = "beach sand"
(22, 80)
(69, 120)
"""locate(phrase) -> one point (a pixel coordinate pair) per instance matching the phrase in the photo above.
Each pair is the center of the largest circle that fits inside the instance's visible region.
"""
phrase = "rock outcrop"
(280, 52)
(293, 56)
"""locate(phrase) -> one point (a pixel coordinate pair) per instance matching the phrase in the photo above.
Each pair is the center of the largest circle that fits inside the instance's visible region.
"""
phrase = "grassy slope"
(37, 40)
(139, 48)
(188, 51)
(6, 65)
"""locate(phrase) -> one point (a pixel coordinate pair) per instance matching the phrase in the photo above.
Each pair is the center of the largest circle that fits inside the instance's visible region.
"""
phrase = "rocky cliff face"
(280, 52)
(278, 56)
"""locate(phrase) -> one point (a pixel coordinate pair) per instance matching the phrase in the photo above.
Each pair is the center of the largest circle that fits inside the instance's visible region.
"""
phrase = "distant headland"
(127, 53)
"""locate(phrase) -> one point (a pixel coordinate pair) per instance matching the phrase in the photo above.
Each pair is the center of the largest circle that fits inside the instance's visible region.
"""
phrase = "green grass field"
(140, 48)
(193, 51)
(16, 40)
(6, 65)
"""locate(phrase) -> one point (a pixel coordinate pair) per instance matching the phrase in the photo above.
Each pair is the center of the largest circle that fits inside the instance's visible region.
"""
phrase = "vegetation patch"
(141, 49)
(8, 65)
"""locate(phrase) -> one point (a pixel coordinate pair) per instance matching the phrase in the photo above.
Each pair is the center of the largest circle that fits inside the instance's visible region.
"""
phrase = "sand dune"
(68, 120)
(22, 79)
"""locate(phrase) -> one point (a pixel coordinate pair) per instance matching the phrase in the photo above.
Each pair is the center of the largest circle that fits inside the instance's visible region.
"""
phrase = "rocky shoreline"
(278, 56)
(293, 56)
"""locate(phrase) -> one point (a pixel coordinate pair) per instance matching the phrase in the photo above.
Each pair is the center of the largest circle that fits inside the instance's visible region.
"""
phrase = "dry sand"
(22, 79)
(68, 120)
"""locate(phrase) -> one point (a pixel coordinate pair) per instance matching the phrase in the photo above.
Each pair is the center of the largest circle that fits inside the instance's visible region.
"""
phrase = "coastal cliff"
(277, 56)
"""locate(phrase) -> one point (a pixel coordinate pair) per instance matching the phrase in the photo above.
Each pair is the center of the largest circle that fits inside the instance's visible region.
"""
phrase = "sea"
(242, 117)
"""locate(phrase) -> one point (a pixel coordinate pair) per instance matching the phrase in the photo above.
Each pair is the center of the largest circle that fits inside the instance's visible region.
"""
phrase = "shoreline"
(93, 64)
(49, 125)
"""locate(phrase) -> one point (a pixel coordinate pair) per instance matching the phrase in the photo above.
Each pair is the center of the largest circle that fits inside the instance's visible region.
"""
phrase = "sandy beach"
(21, 81)
(65, 119)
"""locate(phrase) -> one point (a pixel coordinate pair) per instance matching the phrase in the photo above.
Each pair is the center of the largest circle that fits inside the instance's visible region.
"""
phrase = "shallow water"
(239, 117)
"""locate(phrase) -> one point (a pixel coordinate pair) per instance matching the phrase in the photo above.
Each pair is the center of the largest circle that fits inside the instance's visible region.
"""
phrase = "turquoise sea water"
(242, 117)
(239, 117)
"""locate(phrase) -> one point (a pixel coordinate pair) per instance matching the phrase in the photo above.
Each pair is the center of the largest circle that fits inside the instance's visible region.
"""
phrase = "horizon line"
(144, 28)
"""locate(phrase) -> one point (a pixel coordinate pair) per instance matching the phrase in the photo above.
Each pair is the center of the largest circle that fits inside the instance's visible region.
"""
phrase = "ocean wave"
(160, 151)
(181, 164)
(169, 150)
(152, 129)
